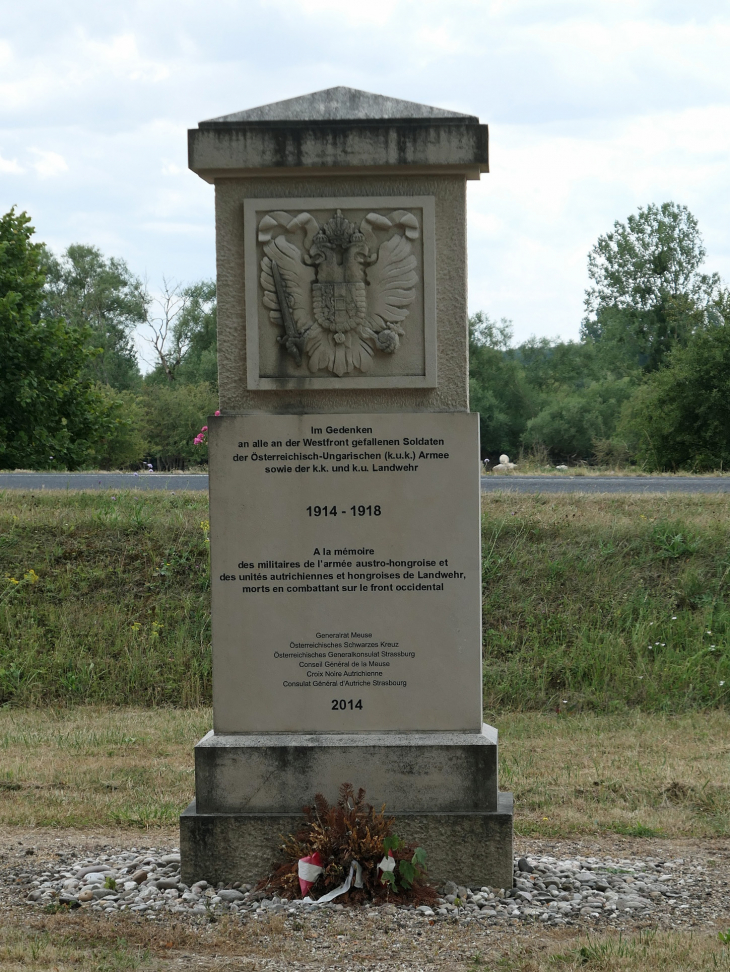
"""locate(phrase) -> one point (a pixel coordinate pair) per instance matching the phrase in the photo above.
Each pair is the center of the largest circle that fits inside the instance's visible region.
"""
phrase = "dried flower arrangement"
(335, 836)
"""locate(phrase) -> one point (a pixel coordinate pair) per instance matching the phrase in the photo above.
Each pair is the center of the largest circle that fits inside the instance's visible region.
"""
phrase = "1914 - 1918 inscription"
(345, 572)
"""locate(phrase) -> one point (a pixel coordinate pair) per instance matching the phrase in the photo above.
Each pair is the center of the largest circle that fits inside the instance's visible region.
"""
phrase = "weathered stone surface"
(356, 276)
(409, 772)
(451, 392)
(339, 128)
(394, 171)
(471, 849)
(340, 104)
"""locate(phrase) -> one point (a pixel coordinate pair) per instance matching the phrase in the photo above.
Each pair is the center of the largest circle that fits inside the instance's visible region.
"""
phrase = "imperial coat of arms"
(339, 293)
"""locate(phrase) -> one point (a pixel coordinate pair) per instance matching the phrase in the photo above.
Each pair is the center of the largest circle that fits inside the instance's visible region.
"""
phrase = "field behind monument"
(591, 603)
(634, 773)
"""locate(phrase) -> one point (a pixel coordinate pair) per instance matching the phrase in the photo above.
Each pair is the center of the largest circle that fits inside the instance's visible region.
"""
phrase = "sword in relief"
(290, 339)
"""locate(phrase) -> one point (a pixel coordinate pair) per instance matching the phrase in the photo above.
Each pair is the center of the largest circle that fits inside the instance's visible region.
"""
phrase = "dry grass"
(23, 949)
(632, 773)
(383, 946)
(89, 766)
(646, 951)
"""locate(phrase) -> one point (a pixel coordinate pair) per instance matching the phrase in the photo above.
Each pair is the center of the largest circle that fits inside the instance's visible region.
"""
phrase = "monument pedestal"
(441, 788)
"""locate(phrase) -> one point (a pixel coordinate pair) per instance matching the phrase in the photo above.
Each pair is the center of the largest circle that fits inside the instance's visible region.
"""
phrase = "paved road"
(102, 481)
(519, 484)
(606, 484)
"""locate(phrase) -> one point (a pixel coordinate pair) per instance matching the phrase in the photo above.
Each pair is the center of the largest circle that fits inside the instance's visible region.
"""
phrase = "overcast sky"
(595, 107)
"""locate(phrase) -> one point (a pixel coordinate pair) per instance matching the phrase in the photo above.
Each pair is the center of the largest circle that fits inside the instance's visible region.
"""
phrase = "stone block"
(411, 773)
(471, 849)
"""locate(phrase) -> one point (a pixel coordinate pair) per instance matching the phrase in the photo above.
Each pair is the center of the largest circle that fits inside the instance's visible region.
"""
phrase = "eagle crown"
(338, 233)
(338, 248)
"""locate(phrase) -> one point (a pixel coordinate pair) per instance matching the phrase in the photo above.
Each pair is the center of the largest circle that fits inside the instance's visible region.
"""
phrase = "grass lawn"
(606, 670)
(638, 774)
(596, 603)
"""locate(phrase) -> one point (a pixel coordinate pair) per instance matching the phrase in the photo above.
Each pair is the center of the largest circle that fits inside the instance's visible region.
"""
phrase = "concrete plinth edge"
(471, 849)
(410, 772)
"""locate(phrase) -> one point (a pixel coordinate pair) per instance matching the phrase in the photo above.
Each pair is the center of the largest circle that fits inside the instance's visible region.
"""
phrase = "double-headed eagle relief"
(338, 293)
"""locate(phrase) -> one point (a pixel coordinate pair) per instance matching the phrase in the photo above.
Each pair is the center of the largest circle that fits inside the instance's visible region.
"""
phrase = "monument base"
(470, 849)
(440, 787)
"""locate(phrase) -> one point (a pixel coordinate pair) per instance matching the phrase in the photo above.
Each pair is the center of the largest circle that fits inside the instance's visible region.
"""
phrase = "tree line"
(72, 394)
(648, 382)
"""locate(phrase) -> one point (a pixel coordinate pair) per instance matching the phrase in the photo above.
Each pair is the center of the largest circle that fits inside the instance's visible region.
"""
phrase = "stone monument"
(344, 487)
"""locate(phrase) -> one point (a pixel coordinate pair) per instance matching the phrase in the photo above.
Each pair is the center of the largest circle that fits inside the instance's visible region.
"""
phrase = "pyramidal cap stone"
(340, 104)
(339, 128)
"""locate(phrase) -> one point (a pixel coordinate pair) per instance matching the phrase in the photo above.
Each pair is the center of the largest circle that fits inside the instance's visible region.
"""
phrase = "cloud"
(552, 192)
(374, 11)
(10, 167)
(122, 56)
(594, 109)
(48, 164)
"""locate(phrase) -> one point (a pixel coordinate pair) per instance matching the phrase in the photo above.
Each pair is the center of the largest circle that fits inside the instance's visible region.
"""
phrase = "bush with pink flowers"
(201, 437)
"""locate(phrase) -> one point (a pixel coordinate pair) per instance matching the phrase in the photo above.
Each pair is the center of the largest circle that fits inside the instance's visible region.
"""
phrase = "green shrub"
(679, 418)
(573, 423)
(173, 416)
(124, 446)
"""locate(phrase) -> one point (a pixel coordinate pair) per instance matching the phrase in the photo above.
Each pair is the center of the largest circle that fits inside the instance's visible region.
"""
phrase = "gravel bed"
(614, 892)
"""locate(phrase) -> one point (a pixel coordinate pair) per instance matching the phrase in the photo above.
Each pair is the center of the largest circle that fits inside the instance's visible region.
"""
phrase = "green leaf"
(389, 878)
(392, 843)
(407, 873)
(419, 857)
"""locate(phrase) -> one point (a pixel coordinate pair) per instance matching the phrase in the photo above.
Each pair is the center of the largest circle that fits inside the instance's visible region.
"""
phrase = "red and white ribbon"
(309, 869)
(354, 877)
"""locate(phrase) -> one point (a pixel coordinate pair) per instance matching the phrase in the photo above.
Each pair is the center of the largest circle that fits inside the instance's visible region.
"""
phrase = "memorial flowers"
(348, 850)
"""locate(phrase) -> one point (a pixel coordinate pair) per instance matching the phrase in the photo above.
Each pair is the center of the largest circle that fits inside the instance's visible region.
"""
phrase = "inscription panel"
(345, 572)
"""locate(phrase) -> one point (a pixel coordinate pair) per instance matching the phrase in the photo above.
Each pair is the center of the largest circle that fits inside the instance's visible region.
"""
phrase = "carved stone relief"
(343, 292)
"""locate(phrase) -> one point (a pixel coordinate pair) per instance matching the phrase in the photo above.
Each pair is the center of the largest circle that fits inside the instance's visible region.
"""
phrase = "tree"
(51, 416)
(497, 386)
(648, 294)
(105, 298)
(554, 366)
(200, 320)
(679, 418)
(183, 333)
(124, 445)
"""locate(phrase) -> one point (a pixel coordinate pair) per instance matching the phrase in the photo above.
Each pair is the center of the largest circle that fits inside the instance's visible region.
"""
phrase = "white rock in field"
(504, 464)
